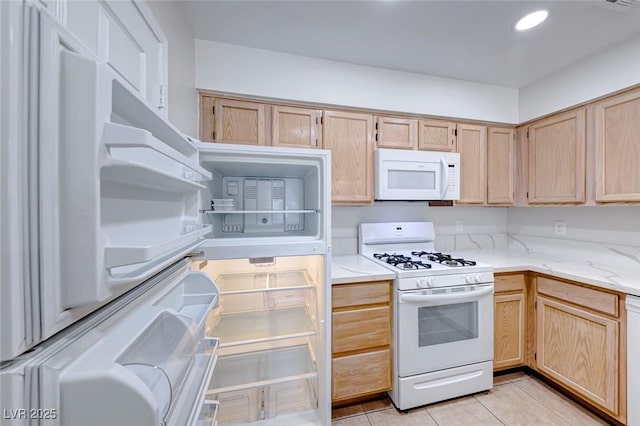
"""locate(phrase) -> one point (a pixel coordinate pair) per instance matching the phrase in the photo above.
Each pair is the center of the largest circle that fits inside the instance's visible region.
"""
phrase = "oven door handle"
(446, 297)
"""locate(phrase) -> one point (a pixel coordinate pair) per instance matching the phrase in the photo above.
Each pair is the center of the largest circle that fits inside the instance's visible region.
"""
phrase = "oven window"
(412, 179)
(447, 323)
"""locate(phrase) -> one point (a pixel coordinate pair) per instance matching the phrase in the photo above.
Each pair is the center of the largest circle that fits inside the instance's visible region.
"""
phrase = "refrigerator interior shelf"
(121, 136)
(261, 326)
(121, 255)
(258, 211)
(131, 173)
(262, 368)
(268, 281)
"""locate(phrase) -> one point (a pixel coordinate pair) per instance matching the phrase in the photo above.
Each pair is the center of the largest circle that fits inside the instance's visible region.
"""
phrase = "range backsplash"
(495, 227)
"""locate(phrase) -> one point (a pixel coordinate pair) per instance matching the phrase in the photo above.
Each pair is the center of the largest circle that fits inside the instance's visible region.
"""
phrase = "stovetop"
(421, 262)
(408, 249)
(416, 260)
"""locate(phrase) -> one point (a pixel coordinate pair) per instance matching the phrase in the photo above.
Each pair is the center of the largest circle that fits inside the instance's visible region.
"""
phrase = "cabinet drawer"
(360, 294)
(361, 329)
(361, 374)
(600, 301)
(509, 282)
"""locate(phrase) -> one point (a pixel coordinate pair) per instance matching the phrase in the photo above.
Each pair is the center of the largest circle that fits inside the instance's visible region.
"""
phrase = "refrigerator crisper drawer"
(146, 366)
(119, 186)
(264, 384)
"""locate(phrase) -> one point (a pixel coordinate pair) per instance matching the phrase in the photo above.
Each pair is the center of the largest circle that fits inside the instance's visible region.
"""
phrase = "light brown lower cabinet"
(509, 321)
(361, 339)
(581, 344)
(361, 374)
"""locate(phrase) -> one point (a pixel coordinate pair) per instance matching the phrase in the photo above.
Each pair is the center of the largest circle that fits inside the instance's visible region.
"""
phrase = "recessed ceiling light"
(531, 20)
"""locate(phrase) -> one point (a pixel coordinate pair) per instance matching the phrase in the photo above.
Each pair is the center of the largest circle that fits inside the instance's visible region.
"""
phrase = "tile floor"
(516, 399)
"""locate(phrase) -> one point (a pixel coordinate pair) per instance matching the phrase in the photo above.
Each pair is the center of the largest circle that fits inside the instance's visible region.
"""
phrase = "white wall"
(242, 70)
(482, 227)
(602, 224)
(182, 96)
(612, 70)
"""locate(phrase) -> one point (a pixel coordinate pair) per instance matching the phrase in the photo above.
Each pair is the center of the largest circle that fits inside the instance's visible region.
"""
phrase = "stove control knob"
(477, 278)
(468, 279)
(422, 283)
(429, 281)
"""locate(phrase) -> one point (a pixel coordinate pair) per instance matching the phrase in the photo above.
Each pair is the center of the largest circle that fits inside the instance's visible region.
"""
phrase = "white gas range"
(443, 314)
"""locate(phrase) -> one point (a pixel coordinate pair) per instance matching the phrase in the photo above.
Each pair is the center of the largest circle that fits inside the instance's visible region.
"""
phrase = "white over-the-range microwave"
(417, 175)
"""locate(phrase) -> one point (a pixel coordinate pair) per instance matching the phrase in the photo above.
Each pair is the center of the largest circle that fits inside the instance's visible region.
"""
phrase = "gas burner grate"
(444, 259)
(401, 262)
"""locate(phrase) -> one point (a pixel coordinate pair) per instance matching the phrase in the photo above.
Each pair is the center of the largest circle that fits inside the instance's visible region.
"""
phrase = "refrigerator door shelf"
(151, 361)
(126, 139)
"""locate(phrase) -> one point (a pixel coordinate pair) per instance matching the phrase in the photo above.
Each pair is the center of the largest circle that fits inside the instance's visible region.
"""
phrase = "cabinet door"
(472, 143)
(296, 127)
(398, 133)
(349, 136)
(501, 165)
(509, 330)
(436, 135)
(239, 122)
(580, 349)
(617, 148)
(557, 159)
(361, 374)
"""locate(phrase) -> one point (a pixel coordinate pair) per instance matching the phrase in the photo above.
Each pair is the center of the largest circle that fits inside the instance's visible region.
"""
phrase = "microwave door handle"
(444, 165)
(447, 297)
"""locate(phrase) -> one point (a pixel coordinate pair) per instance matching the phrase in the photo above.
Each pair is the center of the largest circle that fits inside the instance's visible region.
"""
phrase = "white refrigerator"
(147, 278)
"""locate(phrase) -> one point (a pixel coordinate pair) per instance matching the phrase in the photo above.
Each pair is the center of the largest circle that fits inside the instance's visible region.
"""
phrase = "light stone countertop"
(595, 270)
(355, 268)
(614, 269)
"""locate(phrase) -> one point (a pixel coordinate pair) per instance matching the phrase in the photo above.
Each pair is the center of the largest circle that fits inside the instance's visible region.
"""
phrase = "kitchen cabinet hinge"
(376, 137)
(316, 143)
(213, 135)
(213, 110)
(527, 134)
(527, 195)
(376, 125)
(535, 305)
(455, 132)
(535, 356)
(321, 120)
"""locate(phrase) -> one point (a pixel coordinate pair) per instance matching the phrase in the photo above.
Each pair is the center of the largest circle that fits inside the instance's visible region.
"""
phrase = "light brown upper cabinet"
(349, 136)
(396, 132)
(501, 165)
(557, 159)
(472, 146)
(232, 121)
(296, 127)
(436, 135)
(617, 129)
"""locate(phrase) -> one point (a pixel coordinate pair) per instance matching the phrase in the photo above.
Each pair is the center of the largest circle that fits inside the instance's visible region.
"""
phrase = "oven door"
(442, 328)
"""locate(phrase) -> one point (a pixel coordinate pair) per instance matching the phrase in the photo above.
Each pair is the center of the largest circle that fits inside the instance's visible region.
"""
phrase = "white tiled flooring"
(516, 399)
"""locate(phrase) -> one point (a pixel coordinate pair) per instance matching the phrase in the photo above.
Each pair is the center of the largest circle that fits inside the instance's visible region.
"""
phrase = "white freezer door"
(118, 185)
